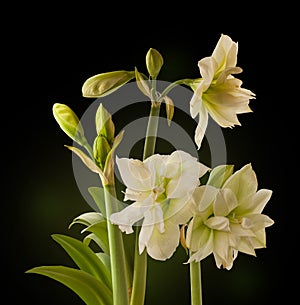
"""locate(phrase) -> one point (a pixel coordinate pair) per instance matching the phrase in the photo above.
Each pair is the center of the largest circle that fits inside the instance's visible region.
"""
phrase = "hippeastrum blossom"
(218, 93)
(228, 219)
(160, 187)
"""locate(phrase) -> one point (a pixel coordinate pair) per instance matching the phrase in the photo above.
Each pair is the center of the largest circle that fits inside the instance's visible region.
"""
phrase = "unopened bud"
(104, 124)
(101, 150)
(106, 83)
(154, 62)
(69, 122)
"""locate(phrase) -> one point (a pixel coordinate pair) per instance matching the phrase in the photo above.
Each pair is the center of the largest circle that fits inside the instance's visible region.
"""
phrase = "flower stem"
(140, 260)
(196, 285)
(151, 133)
(117, 253)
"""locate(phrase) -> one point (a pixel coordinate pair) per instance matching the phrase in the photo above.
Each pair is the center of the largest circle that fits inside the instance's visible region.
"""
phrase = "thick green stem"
(196, 285)
(139, 274)
(151, 133)
(117, 253)
(140, 260)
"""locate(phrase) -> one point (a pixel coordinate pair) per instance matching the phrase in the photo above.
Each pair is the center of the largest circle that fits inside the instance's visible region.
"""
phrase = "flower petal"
(179, 210)
(134, 212)
(186, 178)
(255, 204)
(243, 182)
(201, 127)
(224, 202)
(208, 67)
(161, 246)
(223, 252)
(225, 52)
(219, 223)
(204, 196)
(205, 246)
(134, 174)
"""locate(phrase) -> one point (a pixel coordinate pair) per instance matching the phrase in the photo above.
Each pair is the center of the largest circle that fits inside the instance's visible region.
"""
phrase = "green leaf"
(142, 83)
(101, 235)
(105, 259)
(87, 219)
(90, 164)
(219, 175)
(98, 195)
(87, 287)
(106, 83)
(169, 109)
(84, 257)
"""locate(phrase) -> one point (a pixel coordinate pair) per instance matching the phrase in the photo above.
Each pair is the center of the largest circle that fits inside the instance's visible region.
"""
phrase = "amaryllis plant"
(167, 200)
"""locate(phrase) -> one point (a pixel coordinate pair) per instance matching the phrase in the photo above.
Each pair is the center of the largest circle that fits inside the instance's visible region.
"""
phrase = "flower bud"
(100, 150)
(104, 124)
(106, 83)
(69, 122)
(154, 62)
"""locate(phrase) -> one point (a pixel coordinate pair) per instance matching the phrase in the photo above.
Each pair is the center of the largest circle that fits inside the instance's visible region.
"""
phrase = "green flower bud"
(69, 122)
(154, 62)
(104, 124)
(101, 150)
(106, 83)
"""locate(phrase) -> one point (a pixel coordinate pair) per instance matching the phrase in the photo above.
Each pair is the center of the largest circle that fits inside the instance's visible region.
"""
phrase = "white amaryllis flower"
(160, 187)
(218, 93)
(228, 219)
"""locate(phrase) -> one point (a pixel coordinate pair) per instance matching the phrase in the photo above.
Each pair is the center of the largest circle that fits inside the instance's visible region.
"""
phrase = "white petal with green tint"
(135, 174)
(161, 246)
(230, 214)
(224, 202)
(243, 182)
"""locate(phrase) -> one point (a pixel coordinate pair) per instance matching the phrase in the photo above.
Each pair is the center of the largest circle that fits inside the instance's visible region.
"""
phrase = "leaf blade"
(84, 257)
(87, 287)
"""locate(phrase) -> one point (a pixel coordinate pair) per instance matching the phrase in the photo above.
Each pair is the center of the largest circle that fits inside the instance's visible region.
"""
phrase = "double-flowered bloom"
(161, 188)
(218, 93)
(228, 219)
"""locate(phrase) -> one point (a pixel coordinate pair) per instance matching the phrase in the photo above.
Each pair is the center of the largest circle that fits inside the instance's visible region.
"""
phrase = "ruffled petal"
(204, 197)
(157, 167)
(243, 182)
(225, 201)
(254, 204)
(260, 221)
(161, 246)
(223, 252)
(208, 67)
(178, 211)
(186, 178)
(246, 246)
(126, 218)
(219, 223)
(134, 174)
(204, 247)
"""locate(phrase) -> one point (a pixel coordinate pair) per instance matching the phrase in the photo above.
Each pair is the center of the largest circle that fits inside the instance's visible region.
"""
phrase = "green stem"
(117, 253)
(196, 285)
(140, 260)
(139, 274)
(151, 133)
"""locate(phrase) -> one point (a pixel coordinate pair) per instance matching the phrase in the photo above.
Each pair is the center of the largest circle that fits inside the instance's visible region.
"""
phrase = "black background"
(49, 51)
